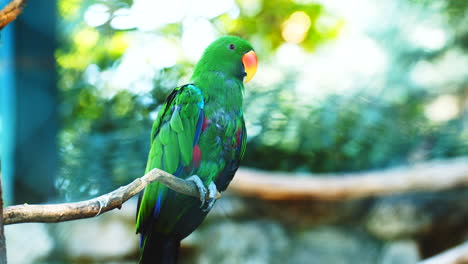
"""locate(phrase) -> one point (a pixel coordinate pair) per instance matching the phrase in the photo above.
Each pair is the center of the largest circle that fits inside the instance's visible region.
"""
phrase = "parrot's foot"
(202, 190)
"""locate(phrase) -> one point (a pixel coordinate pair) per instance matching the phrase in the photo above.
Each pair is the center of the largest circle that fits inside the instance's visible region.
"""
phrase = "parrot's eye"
(232, 46)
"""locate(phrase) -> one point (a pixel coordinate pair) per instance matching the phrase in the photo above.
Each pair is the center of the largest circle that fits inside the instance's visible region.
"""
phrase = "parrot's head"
(230, 55)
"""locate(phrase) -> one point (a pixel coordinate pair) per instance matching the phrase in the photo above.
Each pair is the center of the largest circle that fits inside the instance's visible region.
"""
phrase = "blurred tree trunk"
(7, 15)
(2, 236)
(29, 102)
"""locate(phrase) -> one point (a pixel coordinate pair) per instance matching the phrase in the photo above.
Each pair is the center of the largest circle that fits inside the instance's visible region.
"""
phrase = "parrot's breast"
(220, 138)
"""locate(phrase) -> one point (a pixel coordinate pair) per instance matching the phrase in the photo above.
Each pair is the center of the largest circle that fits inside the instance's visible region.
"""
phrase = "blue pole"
(7, 111)
(29, 122)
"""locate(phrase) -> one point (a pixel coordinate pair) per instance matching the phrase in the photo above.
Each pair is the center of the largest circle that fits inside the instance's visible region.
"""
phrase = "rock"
(303, 214)
(334, 245)
(418, 214)
(267, 242)
(248, 242)
(396, 217)
(400, 252)
(28, 243)
(109, 236)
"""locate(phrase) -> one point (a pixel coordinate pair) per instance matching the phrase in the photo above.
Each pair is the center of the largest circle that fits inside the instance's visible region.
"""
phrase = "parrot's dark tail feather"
(159, 249)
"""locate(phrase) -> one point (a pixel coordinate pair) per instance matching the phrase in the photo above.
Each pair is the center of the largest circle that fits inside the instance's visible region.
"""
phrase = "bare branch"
(10, 12)
(429, 176)
(456, 255)
(52, 213)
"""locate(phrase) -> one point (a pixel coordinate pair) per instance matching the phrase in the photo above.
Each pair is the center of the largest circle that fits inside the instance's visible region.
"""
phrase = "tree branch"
(10, 12)
(429, 176)
(52, 213)
(456, 255)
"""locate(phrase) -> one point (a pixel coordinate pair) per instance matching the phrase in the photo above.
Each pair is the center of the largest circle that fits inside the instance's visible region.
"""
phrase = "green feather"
(244, 140)
(186, 142)
(171, 154)
(176, 122)
(189, 110)
(165, 134)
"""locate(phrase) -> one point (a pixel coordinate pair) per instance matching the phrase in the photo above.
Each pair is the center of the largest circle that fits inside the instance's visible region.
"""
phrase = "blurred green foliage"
(352, 133)
(105, 133)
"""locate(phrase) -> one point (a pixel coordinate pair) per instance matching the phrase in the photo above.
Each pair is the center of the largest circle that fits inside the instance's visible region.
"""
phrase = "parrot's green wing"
(175, 133)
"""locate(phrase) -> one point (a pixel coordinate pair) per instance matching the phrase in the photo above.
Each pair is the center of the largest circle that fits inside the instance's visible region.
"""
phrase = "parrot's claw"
(212, 191)
(201, 188)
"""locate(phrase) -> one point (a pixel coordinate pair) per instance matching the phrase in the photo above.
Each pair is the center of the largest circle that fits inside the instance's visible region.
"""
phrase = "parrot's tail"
(159, 248)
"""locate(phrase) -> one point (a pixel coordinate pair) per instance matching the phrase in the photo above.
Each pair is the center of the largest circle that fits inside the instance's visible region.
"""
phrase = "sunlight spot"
(118, 44)
(328, 23)
(442, 109)
(365, 51)
(250, 7)
(268, 76)
(296, 27)
(93, 191)
(445, 71)
(146, 100)
(359, 14)
(234, 12)
(338, 67)
(96, 15)
(208, 8)
(254, 129)
(152, 14)
(161, 53)
(290, 55)
(426, 37)
(197, 35)
(92, 74)
(69, 9)
(138, 65)
(86, 38)
(123, 19)
(153, 115)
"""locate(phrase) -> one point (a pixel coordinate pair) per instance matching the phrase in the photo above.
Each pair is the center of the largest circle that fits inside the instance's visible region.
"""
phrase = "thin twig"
(52, 213)
(10, 12)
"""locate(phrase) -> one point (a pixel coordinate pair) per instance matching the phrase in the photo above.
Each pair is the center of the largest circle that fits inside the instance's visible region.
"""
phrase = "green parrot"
(199, 135)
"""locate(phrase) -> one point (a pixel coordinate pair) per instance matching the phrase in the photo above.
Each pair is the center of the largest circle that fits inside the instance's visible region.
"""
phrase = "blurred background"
(342, 86)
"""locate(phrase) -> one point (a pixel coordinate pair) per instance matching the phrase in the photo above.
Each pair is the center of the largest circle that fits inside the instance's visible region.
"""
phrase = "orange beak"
(250, 65)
